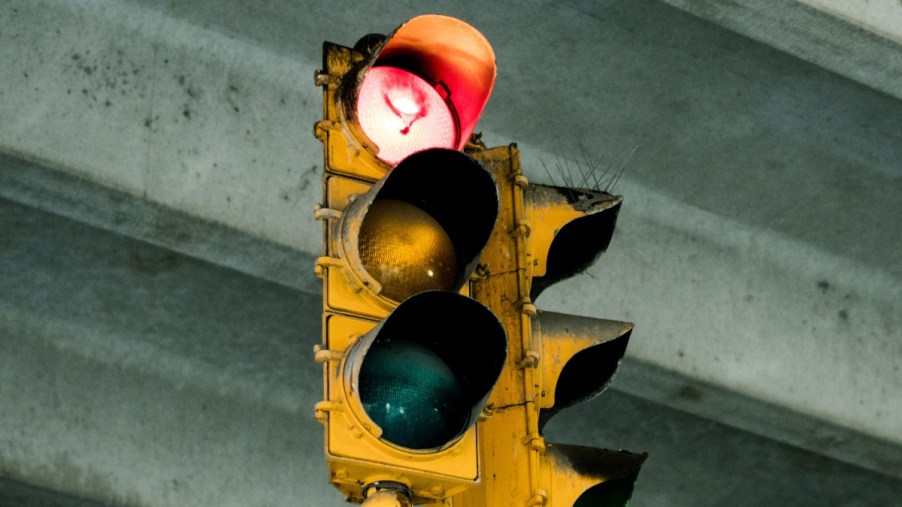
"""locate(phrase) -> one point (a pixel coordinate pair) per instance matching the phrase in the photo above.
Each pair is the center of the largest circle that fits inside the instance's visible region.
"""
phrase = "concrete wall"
(857, 39)
(880, 16)
(756, 248)
(136, 376)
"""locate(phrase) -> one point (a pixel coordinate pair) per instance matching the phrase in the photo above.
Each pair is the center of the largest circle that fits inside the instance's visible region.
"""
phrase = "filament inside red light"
(403, 114)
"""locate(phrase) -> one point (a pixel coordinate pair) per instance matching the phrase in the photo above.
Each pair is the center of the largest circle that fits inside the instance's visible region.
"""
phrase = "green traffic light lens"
(412, 394)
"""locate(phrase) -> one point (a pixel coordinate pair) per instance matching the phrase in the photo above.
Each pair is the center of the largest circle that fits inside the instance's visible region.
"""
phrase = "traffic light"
(408, 358)
(439, 371)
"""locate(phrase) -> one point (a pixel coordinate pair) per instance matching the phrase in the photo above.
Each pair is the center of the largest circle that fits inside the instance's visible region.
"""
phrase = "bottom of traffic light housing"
(387, 494)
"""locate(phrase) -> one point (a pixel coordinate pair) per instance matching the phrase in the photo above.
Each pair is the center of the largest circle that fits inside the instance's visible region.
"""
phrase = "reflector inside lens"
(403, 114)
(406, 250)
(411, 394)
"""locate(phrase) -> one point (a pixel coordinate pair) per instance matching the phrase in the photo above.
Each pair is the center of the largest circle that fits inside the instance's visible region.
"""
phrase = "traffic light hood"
(578, 226)
(582, 355)
(588, 477)
(422, 226)
(431, 61)
(423, 374)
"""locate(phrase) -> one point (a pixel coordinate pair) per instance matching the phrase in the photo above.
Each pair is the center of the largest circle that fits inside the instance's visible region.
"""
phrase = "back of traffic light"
(402, 390)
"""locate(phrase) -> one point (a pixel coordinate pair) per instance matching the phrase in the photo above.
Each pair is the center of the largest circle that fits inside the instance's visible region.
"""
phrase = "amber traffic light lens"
(403, 114)
(406, 250)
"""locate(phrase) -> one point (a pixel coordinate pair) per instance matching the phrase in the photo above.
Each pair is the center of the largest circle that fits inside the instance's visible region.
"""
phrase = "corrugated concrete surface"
(136, 376)
(756, 248)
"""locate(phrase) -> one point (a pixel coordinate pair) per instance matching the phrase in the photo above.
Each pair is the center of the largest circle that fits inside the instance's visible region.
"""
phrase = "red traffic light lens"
(403, 114)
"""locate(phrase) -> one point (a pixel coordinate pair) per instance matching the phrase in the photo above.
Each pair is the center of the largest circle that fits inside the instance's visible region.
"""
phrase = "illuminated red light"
(403, 114)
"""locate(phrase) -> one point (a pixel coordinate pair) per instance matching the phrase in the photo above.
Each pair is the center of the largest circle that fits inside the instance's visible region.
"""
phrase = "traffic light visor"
(423, 226)
(587, 353)
(590, 477)
(580, 226)
(423, 375)
(424, 86)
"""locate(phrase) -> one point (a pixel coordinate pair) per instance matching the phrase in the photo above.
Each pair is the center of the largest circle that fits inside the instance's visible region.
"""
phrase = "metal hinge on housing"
(323, 213)
(322, 355)
(322, 409)
(539, 497)
(322, 263)
(321, 78)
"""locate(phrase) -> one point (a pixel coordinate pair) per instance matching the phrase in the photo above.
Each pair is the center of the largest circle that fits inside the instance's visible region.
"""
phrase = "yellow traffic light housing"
(403, 397)
(406, 217)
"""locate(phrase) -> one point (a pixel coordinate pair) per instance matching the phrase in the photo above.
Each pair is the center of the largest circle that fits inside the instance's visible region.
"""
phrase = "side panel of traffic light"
(546, 234)
(570, 228)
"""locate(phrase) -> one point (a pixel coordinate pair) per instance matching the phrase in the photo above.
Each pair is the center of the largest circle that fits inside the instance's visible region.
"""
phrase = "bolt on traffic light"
(439, 371)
